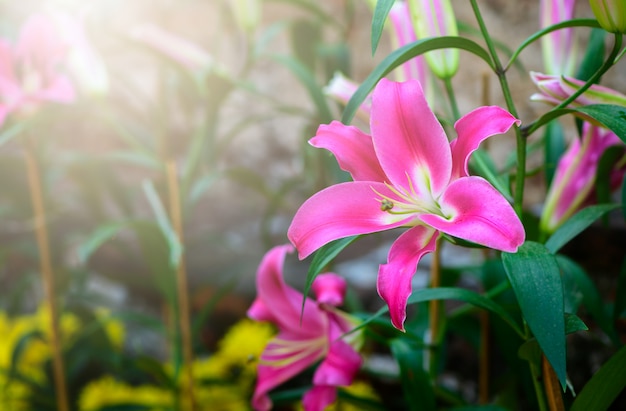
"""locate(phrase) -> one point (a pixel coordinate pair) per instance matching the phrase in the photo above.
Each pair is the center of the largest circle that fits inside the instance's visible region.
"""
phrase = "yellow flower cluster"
(24, 349)
(222, 382)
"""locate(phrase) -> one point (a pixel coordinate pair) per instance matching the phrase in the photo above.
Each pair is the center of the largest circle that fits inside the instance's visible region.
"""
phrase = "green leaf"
(594, 55)
(100, 236)
(536, 280)
(611, 116)
(605, 385)
(577, 224)
(378, 21)
(402, 55)
(624, 198)
(416, 384)
(163, 221)
(322, 258)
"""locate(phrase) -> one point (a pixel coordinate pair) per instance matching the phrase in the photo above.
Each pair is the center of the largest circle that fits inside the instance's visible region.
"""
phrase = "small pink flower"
(573, 185)
(29, 69)
(303, 340)
(407, 174)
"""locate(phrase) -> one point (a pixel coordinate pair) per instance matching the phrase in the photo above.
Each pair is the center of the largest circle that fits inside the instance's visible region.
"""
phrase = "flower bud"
(611, 14)
(435, 18)
(247, 14)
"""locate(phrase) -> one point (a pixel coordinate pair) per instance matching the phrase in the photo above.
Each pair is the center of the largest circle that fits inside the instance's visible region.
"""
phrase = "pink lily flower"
(573, 186)
(29, 69)
(407, 174)
(558, 47)
(303, 340)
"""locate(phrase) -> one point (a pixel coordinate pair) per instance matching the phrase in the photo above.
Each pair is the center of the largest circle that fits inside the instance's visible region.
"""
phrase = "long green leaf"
(163, 221)
(536, 280)
(576, 224)
(601, 390)
(416, 385)
(378, 21)
(611, 116)
(554, 147)
(402, 55)
(620, 295)
(100, 236)
(322, 258)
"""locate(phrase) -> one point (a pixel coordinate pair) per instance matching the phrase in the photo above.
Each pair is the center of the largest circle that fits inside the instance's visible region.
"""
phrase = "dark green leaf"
(402, 55)
(573, 324)
(416, 384)
(378, 21)
(535, 277)
(322, 258)
(601, 390)
(611, 116)
(576, 224)
(624, 198)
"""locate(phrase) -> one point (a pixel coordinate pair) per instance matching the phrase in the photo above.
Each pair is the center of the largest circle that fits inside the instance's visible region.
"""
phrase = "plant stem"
(483, 370)
(453, 104)
(181, 279)
(506, 92)
(551, 386)
(47, 275)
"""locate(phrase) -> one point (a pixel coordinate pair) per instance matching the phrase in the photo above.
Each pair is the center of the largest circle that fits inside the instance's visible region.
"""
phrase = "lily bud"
(435, 18)
(340, 88)
(247, 14)
(611, 14)
(555, 89)
(559, 47)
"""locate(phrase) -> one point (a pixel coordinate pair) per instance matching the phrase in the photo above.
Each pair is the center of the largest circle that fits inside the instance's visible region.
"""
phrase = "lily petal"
(339, 367)
(472, 129)
(477, 212)
(279, 302)
(394, 278)
(353, 149)
(319, 397)
(340, 211)
(409, 140)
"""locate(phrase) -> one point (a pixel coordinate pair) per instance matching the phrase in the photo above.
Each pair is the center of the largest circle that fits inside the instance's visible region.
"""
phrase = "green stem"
(453, 104)
(610, 61)
(506, 92)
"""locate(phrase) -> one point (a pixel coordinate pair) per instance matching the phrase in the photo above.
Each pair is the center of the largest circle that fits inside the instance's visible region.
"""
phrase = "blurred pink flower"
(573, 186)
(29, 69)
(407, 174)
(558, 47)
(303, 340)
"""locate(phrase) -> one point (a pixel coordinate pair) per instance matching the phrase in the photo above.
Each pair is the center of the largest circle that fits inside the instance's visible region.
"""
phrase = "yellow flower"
(113, 328)
(243, 344)
(108, 391)
(359, 389)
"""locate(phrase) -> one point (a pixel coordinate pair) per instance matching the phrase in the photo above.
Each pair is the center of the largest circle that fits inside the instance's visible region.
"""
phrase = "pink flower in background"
(573, 186)
(558, 47)
(303, 340)
(403, 33)
(555, 89)
(340, 88)
(29, 69)
(407, 174)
